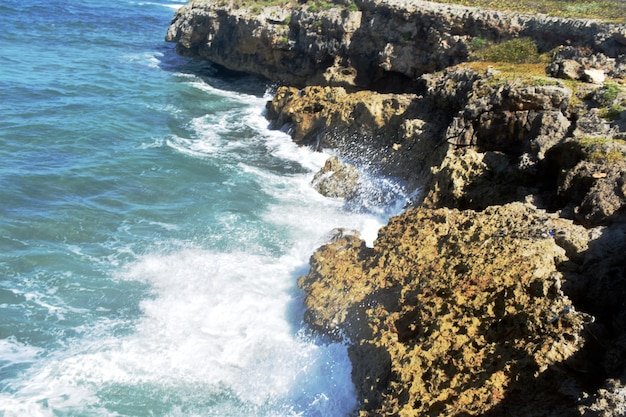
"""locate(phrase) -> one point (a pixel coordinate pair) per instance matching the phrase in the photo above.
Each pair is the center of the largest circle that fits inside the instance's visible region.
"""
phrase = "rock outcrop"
(501, 291)
(391, 134)
(455, 312)
(474, 140)
(383, 46)
(499, 308)
(337, 180)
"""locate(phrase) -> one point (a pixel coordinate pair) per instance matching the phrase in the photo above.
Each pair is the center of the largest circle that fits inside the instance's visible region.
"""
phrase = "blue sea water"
(152, 228)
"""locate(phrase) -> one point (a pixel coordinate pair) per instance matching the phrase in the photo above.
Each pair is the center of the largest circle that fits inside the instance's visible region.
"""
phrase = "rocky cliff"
(501, 290)
(382, 45)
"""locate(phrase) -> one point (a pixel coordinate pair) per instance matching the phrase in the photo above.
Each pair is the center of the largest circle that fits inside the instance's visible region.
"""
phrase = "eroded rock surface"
(393, 134)
(384, 46)
(473, 139)
(459, 309)
(486, 310)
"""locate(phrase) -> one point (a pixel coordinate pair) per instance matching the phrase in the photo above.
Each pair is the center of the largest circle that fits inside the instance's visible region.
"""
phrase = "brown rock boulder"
(329, 117)
(597, 190)
(451, 312)
(391, 134)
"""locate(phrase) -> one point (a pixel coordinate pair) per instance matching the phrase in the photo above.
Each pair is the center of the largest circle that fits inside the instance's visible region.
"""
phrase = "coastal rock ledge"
(384, 45)
(501, 290)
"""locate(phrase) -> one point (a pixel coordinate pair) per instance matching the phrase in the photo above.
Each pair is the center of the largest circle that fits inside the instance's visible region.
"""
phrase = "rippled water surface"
(152, 228)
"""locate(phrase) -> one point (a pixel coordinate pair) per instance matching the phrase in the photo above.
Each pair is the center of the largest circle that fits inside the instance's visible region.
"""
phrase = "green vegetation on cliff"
(312, 5)
(514, 51)
(607, 10)
(599, 149)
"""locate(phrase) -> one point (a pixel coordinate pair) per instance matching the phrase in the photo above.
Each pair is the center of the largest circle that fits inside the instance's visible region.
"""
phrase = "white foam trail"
(240, 97)
(149, 59)
(218, 322)
(195, 148)
(168, 5)
(12, 352)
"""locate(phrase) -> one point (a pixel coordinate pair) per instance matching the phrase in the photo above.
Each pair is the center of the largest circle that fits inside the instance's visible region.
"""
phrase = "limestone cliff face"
(499, 308)
(383, 45)
(455, 313)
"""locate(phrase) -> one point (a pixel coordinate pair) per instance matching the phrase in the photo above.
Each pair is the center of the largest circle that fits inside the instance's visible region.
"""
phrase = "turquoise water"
(152, 228)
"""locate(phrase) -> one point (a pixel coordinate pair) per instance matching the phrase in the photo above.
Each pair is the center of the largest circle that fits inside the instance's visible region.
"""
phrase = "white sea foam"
(192, 147)
(12, 352)
(240, 97)
(220, 322)
(150, 59)
(174, 6)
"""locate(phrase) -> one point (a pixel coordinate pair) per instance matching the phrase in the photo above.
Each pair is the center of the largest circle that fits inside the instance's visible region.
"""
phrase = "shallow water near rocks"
(152, 228)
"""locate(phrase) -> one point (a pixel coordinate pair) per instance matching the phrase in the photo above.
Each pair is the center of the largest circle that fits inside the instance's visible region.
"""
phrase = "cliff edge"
(382, 45)
(500, 290)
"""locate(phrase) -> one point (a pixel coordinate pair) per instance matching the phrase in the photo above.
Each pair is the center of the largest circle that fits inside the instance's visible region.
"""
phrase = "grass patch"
(611, 91)
(514, 51)
(601, 149)
(611, 97)
(612, 112)
(508, 71)
(607, 10)
(352, 7)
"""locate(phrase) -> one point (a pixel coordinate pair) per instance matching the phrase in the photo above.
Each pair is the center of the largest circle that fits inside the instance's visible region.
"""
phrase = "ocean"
(152, 228)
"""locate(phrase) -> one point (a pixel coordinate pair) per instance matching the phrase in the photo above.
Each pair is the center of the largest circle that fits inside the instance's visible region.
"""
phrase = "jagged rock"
(610, 401)
(597, 189)
(336, 180)
(454, 312)
(461, 310)
(450, 90)
(384, 46)
(468, 178)
(333, 298)
(580, 63)
(328, 116)
(393, 134)
(568, 69)
(505, 117)
(593, 75)
(497, 143)
(548, 129)
(592, 177)
(598, 286)
(591, 124)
